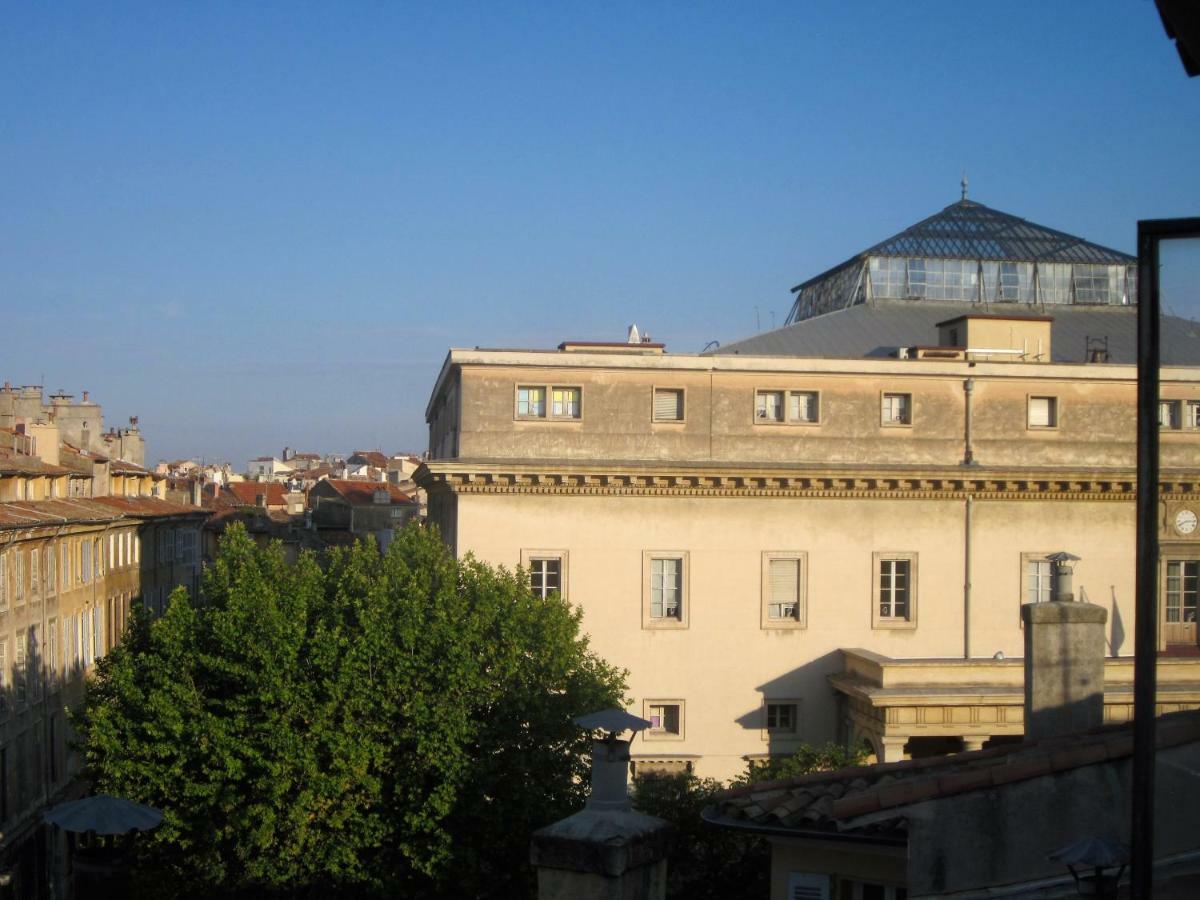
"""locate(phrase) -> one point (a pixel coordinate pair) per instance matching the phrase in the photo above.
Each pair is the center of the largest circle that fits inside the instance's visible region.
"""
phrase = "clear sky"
(257, 225)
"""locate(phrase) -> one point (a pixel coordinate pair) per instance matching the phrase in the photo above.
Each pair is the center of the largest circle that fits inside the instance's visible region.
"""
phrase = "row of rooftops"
(89, 510)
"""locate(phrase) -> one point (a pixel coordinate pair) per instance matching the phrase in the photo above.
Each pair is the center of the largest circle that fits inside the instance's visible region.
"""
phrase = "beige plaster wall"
(724, 663)
(1095, 410)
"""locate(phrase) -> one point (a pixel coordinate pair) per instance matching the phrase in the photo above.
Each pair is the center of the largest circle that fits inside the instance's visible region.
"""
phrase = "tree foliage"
(706, 863)
(710, 863)
(394, 723)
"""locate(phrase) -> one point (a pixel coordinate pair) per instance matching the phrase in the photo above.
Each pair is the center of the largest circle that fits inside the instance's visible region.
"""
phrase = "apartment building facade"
(742, 529)
(82, 539)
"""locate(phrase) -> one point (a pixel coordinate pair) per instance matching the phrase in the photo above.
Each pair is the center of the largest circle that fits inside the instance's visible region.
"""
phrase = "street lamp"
(1102, 857)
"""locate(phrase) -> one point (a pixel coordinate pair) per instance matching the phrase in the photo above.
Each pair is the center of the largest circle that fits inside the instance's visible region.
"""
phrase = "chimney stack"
(1064, 667)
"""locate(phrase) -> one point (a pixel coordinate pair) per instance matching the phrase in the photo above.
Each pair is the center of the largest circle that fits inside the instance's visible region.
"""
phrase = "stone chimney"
(607, 849)
(1064, 666)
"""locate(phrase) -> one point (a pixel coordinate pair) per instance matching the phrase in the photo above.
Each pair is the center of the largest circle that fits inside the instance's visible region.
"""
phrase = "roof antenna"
(964, 185)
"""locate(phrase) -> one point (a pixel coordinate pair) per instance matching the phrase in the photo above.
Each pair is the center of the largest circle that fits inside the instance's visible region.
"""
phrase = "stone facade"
(906, 506)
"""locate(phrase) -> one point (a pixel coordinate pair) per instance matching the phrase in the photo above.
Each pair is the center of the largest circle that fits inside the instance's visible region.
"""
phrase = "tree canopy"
(397, 723)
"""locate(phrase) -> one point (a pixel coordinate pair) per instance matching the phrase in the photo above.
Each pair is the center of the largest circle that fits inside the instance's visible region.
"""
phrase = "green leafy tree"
(806, 760)
(706, 863)
(396, 724)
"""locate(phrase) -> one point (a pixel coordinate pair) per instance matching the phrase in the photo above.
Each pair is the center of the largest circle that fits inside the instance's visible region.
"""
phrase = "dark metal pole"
(1146, 629)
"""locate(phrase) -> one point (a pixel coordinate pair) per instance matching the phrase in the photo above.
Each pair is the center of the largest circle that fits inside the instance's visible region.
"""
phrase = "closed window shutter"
(1039, 412)
(785, 587)
(668, 405)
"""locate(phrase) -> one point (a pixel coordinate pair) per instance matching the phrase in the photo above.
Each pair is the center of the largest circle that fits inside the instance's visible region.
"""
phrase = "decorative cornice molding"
(653, 481)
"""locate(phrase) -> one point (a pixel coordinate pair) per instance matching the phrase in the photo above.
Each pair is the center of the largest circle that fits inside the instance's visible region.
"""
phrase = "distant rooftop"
(877, 329)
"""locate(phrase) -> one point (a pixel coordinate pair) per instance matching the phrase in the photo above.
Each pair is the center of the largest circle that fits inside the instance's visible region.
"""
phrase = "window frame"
(1028, 557)
(661, 734)
(655, 390)
(1182, 556)
(800, 620)
(907, 420)
(895, 623)
(547, 389)
(683, 620)
(777, 733)
(1175, 409)
(528, 556)
(1052, 412)
(786, 417)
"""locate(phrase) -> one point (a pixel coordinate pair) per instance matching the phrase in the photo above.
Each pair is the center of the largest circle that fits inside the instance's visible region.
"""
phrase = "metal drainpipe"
(970, 505)
(968, 452)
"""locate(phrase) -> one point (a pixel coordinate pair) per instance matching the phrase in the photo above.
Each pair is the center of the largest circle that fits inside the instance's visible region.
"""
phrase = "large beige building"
(82, 539)
(827, 531)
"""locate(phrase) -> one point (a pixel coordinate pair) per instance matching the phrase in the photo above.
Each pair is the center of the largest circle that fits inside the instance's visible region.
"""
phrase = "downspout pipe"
(970, 507)
(968, 451)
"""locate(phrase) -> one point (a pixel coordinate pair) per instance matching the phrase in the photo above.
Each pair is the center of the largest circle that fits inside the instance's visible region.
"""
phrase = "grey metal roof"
(876, 329)
(970, 230)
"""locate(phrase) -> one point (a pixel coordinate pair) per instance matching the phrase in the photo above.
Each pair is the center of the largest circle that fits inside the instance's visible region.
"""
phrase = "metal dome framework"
(971, 253)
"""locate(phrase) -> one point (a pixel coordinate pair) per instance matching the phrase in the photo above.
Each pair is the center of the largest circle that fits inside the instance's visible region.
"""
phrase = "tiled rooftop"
(363, 492)
(831, 801)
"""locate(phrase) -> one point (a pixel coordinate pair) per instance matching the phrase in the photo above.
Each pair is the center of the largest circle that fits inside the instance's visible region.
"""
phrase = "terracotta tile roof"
(371, 457)
(142, 507)
(126, 468)
(246, 493)
(830, 802)
(362, 493)
(24, 513)
(16, 464)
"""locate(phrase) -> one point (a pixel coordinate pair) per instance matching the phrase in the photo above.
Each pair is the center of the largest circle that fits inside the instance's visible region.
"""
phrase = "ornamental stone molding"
(711, 481)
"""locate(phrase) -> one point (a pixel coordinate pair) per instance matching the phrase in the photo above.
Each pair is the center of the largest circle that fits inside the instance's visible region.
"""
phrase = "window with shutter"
(668, 404)
(666, 719)
(805, 886)
(783, 587)
(1043, 412)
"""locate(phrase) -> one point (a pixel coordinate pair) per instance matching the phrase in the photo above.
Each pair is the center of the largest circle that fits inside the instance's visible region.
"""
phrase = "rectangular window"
(19, 683)
(768, 406)
(19, 577)
(1168, 414)
(665, 594)
(783, 583)
(120, 551)
(33, 660)
(1038, 578)
(1183, 590)
(85, 567)
(51, 570)
(3, 681)
(545, 576)
(35, 571)
(1043, 412)
(98, 556)
(3, 581)
(668, 405)
(52, 649)
(781, 718)
(803, 406)
(895, 583)
(896, 409)
(666, 719)
(665, 589)
(531, 402)
(112, 551)
(1193, 414)
(565, 402)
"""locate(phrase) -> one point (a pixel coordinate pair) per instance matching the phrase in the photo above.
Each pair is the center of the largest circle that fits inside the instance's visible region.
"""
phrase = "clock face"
(1185, 521)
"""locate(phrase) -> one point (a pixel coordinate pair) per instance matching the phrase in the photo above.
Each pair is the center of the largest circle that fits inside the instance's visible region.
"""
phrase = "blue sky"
(264, 224)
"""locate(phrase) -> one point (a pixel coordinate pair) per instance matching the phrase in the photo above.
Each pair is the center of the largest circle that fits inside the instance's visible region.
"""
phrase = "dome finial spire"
(964, 184)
